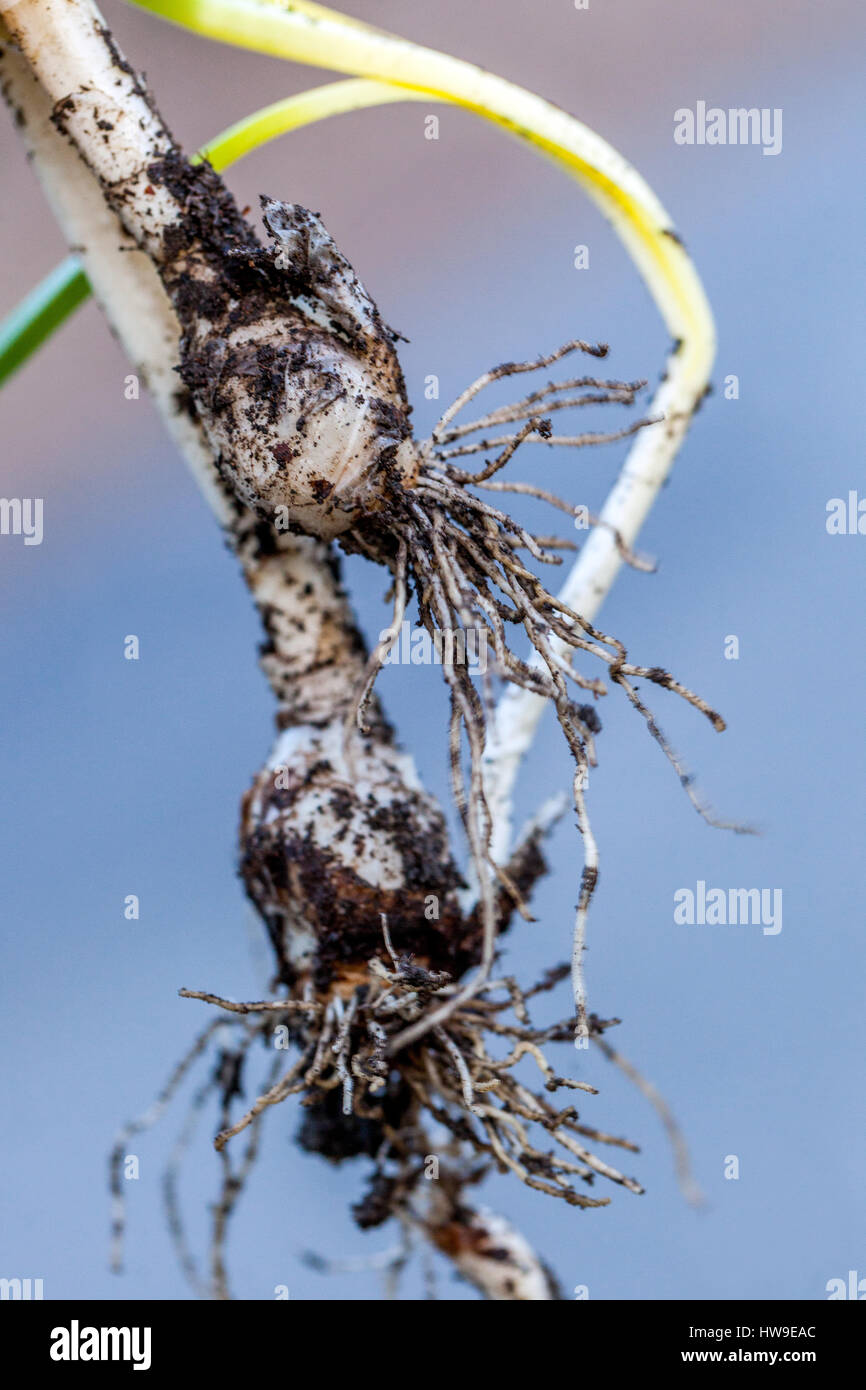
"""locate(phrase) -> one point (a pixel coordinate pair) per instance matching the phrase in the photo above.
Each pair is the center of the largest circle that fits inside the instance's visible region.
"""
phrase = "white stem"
(296, 585)
(119, 133)
(124, 281)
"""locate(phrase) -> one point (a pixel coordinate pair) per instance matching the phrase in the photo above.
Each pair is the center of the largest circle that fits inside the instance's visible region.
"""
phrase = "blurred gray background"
(124, 777)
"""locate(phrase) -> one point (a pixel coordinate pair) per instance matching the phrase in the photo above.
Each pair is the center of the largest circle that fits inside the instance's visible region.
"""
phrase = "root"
(461, 555)
(463, 1076)
(139, 1125)
(469, 1078)
(688, 1184)
(224, 1082)
(234, 1179)
(170, 1197)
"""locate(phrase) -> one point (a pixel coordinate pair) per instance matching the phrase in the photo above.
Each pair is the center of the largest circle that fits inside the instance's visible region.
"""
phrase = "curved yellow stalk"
(333, 99)
(311, 33)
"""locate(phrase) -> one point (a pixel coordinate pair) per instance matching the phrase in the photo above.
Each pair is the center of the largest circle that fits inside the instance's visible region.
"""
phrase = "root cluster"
(459, 1097)
(463, 558)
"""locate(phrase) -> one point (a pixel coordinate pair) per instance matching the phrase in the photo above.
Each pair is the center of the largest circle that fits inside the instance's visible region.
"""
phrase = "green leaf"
(34, 320)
